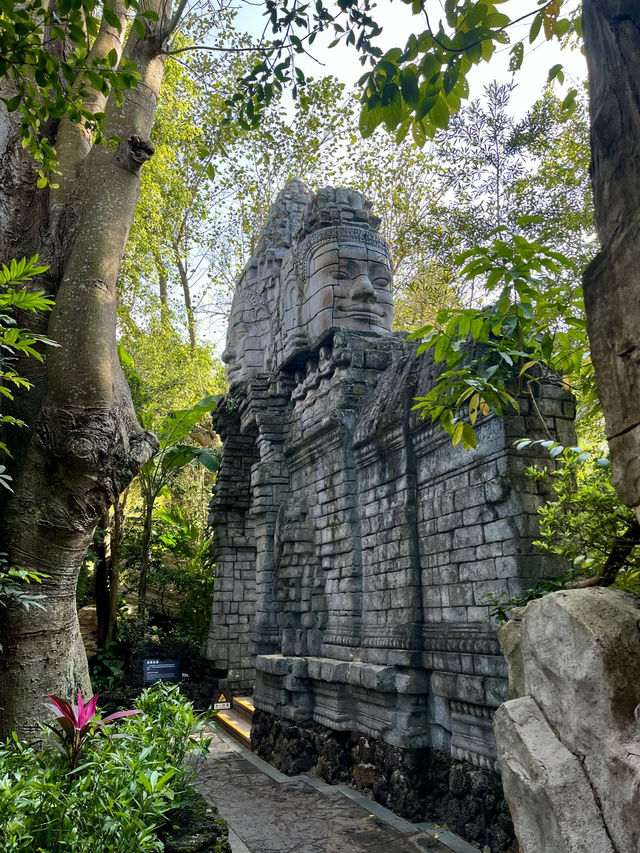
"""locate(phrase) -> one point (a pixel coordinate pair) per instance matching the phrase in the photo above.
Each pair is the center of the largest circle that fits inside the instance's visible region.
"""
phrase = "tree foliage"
(16, 341)
(586, 523)
(52, 63)
(414, 89)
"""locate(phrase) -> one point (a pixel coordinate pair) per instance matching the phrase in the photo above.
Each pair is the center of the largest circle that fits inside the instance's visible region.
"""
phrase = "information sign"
(160, 670)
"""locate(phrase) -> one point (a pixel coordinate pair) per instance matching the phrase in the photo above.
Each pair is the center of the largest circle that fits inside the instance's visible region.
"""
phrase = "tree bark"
(117, 535)
(612, 280)
(149, 500)
(85, 444)
(103, 580)
(186, 290)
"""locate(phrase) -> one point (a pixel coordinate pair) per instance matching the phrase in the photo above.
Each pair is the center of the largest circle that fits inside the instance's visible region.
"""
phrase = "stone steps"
(237, 721)
(243, 705)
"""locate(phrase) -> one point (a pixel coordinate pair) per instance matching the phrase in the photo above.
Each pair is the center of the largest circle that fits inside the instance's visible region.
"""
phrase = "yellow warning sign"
(220, 702)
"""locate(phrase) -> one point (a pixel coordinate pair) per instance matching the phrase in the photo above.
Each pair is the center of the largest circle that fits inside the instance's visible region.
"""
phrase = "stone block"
(465, 497)
(461, 687)
(466, 537)
(498, 531)
(477, 571)
(463, 555)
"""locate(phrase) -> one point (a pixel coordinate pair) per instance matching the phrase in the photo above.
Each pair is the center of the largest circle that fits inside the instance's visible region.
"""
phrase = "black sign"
(160, 670)
(221, 701)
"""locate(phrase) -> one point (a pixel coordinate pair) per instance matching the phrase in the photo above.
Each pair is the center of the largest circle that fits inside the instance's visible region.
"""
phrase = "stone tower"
(356, 547)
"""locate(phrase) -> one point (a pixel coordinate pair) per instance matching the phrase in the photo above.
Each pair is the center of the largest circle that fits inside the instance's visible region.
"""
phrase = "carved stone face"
(349, 285)
(248, 335)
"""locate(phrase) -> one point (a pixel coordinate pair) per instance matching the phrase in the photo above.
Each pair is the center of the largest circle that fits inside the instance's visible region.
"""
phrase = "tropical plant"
(14, 591)
(586, 526)
(593, 537)
(182, 563)
(77, 723)
(15, 341)
(125, 795)
(159, 470)
(493, 355)
(12, 586)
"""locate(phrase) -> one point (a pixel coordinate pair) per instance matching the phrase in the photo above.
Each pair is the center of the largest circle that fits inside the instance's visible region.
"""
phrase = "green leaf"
(556, 72)
(439, 114)
(418, 133)
(409, 85)
(209, 459)
(178, 424)
(535, 27)
(12, 104)
(126, 359)
(469, 440)
(110, 17)
(369, 119)
(517, 56)
(177, 456)
(440, 349)
(430, 67)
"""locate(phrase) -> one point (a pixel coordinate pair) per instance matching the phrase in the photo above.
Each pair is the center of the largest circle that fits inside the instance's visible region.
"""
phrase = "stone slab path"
(269, 812)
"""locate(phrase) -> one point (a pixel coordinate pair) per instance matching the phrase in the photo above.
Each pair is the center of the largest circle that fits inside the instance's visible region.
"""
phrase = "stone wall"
(235, 554)
(416, 783)
(376, 542)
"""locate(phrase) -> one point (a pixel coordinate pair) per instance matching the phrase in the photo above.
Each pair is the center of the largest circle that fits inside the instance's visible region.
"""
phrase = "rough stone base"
(419, 784)
(197, 828)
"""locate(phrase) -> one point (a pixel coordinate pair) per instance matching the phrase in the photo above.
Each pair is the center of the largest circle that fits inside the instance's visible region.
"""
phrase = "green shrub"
(120, 797)
(586, 521)
(585, 527)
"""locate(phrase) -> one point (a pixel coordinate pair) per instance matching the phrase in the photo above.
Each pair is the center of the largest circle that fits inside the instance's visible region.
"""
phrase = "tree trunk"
(144, 555)
(85, 444)
(103, 580)
(117, 535)
(612, 280)
(186, 290)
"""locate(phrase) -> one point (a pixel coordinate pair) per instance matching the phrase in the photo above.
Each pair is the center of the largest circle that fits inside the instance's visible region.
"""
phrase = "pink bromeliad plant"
(77, 723)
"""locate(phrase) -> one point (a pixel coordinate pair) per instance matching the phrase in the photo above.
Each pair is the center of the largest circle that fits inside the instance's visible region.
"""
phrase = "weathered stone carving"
(568, 746)
(373, 542)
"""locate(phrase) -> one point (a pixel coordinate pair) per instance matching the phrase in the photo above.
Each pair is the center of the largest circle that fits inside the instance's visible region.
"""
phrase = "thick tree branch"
(615, 561)
(74, 139)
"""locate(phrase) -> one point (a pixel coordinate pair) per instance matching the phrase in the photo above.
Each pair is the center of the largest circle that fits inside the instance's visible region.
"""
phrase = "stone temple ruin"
(355, 547)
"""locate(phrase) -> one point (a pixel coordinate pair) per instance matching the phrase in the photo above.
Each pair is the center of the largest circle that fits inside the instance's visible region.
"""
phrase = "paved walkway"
(269, 812)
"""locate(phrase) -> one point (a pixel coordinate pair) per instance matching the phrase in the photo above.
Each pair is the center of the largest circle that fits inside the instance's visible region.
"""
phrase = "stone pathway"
(269, 812)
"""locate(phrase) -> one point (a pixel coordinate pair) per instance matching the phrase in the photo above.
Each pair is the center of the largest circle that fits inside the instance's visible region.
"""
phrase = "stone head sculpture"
(248, 336)
(343, 266)
(251, 324)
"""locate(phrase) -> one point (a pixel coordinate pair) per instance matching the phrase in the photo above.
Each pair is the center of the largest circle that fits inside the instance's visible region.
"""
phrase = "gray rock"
(549, 795)
(578, 668)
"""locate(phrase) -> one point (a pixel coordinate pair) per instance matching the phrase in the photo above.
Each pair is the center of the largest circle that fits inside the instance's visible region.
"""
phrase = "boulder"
(548, 792)
(580, 654)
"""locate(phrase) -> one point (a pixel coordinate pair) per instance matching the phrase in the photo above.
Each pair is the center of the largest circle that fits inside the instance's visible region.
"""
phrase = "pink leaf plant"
(78, 722)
